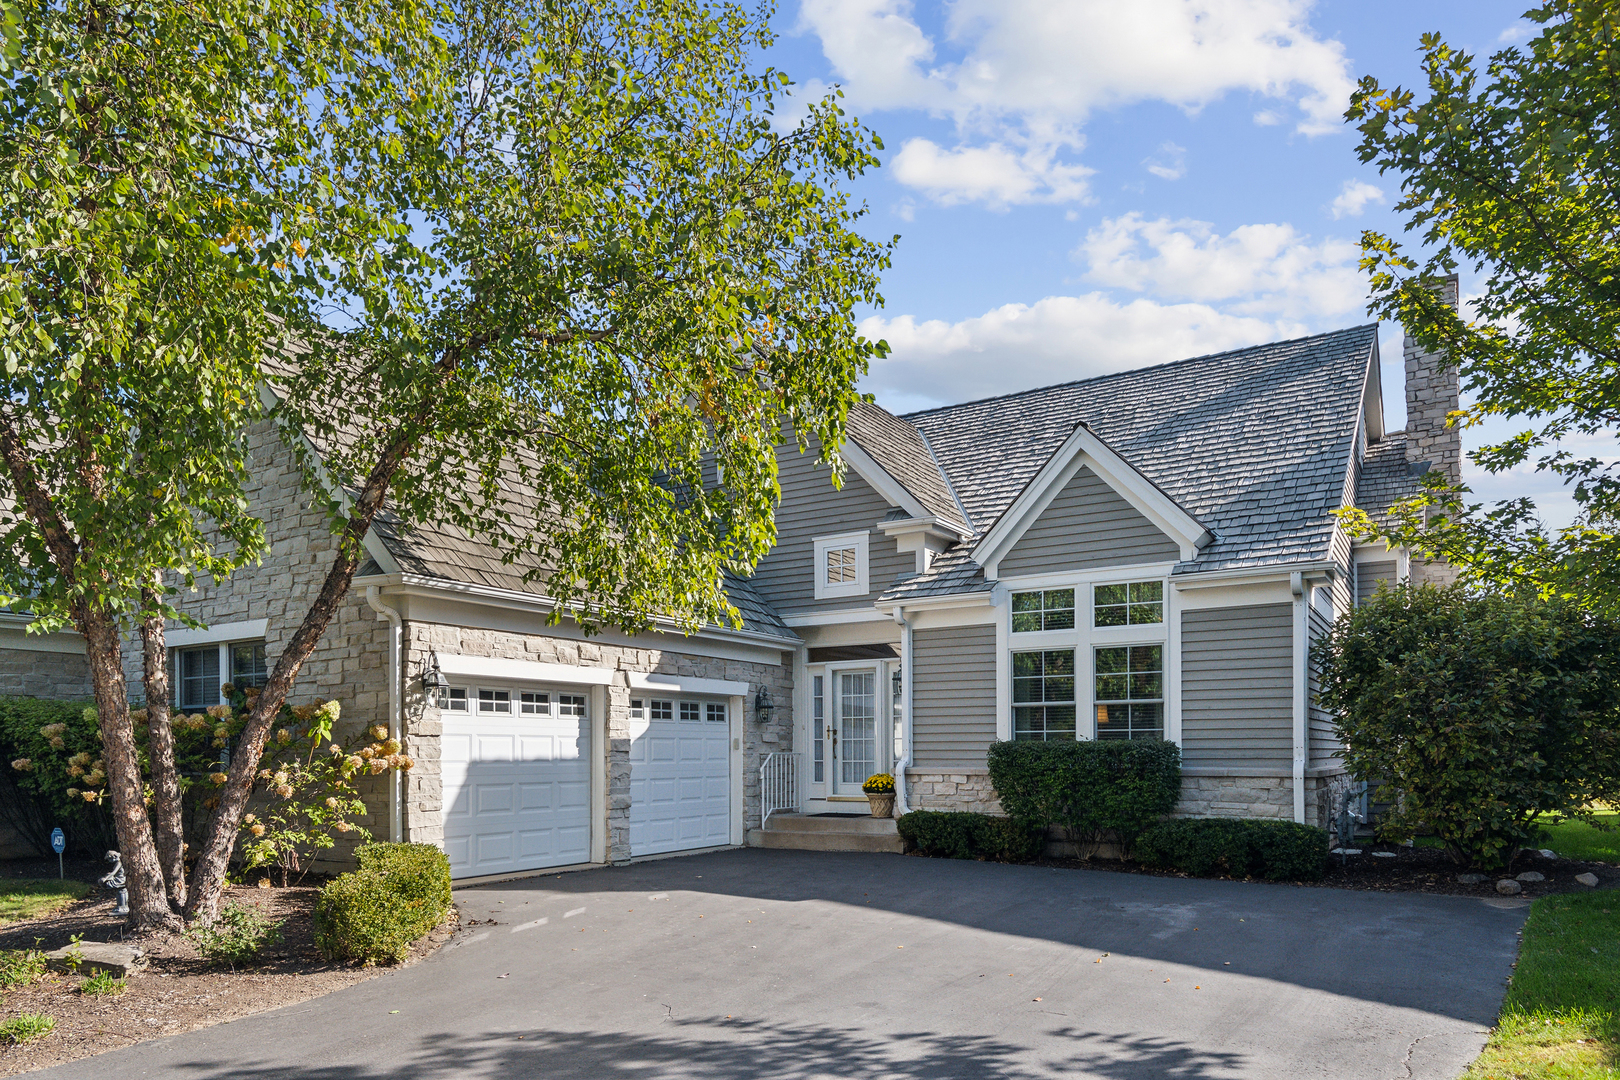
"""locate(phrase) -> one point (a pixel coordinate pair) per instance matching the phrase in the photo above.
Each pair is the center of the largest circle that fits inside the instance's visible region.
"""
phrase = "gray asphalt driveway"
(804, 964)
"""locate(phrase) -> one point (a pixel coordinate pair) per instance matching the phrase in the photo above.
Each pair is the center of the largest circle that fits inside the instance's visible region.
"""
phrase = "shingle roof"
(953, 571)
(1386, 477)
(904, 454)
(1255, 442)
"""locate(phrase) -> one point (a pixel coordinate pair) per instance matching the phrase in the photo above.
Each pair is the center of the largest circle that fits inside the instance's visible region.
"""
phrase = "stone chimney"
(1431, 393)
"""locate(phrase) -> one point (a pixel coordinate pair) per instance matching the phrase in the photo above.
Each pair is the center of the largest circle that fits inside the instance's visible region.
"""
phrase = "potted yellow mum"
(880, 794)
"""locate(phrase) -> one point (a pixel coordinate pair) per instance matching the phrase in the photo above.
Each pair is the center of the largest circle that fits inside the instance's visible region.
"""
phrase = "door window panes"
(495, 701)
(1047, 609)
(534, 704)
(1134, 603)
(1043, 694)
(453, 698)
(857, 727)
(818, 742)
(715, 712)
(1130, 692)
(570, 704)
(690, 712)
(663, 710)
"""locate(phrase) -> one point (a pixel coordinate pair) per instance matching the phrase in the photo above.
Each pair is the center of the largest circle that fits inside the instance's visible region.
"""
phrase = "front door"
(855, 730)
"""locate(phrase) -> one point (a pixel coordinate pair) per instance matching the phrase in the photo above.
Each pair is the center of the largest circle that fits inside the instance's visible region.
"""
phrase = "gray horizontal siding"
(1369, 574)
(1237, 686)
(1324, 739)
(953, 696)
(812, 507)
(1088, 524)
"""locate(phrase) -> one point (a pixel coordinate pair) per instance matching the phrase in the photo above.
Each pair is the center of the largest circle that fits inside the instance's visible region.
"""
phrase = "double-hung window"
(1129, 694)
(198, 677)
(1043, 694)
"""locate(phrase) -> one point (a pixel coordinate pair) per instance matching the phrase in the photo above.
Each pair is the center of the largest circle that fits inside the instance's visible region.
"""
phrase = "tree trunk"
(167, 823)
(148, 904)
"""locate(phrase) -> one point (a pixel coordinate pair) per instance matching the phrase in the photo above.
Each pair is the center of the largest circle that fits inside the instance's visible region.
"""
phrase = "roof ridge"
(1130, 371)
(967, 519)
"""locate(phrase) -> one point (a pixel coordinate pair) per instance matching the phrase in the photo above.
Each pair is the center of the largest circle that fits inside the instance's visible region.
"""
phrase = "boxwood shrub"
(1092, 788)
(1203, 847)
(960, 835)
(372, 915)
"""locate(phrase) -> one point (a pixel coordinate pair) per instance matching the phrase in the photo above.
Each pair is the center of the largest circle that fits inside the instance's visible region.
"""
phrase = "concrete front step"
(803, 833)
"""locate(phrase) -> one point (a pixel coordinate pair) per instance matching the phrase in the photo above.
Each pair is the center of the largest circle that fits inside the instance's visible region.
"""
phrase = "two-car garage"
(523, 764)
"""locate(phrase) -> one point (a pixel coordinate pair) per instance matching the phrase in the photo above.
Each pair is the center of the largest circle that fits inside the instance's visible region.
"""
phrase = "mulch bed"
(1415, 869)
(175, 990)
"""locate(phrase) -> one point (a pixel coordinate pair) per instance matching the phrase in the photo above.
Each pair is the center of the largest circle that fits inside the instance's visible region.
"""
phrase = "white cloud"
(1267, 118)
(1057, 339)
(1025, 75)
(1170, 163)
(995, 174)
(1520, 31)
(1354, 197)
(1255, 270)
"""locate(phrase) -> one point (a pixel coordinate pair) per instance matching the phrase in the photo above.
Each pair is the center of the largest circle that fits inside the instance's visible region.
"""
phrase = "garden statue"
(114, 880)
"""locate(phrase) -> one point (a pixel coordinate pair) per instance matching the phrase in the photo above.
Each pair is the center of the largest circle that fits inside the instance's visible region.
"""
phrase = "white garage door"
(680, 774)
(517, 785)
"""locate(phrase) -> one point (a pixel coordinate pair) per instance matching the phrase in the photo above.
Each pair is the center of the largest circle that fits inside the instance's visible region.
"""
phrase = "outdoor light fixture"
(763, 705)
(895, 686)
(432, 680)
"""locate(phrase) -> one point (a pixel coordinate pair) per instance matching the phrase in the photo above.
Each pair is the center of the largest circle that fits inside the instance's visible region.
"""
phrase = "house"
(1139, 555)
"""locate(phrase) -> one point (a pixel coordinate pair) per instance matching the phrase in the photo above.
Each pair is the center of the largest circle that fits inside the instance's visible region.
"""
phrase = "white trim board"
(217, 634)
(686, 684)
(490, 667)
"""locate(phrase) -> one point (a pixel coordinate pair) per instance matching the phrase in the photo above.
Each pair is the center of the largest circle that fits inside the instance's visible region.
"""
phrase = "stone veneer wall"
(350, 665)
(968, 790)
(57, 676)
(423, 798)
(1431, 395)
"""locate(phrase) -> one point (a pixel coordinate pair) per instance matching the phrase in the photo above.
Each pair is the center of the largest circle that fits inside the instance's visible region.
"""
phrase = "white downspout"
(396, 712)
(905, 709)
(1301, 681)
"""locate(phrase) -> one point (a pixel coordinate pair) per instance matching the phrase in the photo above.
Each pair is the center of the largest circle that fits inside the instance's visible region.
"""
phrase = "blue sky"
(1086, 186)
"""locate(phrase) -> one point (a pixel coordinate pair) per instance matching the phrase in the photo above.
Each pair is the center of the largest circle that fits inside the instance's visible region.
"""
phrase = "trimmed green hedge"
(1204, 847)
(372, 915)
(1092, 788)
(955, 835)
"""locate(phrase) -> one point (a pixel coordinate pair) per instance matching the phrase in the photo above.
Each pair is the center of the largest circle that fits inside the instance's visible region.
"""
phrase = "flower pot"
(882, 805)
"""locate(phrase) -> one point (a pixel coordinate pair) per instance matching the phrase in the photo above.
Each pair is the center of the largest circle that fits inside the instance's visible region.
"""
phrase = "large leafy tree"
(552, 271)
(144, 243)
(1510, 168)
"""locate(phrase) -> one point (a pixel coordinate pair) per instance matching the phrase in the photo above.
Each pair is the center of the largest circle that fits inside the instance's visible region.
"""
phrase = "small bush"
(21, 967)
(238, 936)
(103, 982)
(1092, 788)
(953, 835)
(1274, 850)
(372, 915)
(26, 1028)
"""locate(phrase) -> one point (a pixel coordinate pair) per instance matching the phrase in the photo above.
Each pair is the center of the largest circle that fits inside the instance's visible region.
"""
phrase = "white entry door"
(680, 774)
(855, 728)
(516, 768)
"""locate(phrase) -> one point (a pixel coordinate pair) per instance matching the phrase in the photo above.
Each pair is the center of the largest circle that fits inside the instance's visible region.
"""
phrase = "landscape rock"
(116, 958)
(1384, 854)
(1532, 875)
(1508, 887)
(1589, 879)
(1345, 851)
(1548, 853)
(1470, 879)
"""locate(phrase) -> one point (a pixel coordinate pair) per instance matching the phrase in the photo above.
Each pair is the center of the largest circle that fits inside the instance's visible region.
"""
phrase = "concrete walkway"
(788, 964)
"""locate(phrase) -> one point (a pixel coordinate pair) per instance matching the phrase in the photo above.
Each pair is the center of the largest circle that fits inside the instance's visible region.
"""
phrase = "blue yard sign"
(58, 842)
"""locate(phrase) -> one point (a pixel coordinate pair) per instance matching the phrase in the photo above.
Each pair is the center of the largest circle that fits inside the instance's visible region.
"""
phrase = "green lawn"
(33, 898)
(1561, 1019)
(1578, 840)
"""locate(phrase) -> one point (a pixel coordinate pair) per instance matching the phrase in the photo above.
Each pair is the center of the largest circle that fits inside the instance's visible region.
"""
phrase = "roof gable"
(892, 455)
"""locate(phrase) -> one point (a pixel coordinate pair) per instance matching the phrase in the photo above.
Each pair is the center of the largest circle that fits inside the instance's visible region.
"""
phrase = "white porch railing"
(778, 784)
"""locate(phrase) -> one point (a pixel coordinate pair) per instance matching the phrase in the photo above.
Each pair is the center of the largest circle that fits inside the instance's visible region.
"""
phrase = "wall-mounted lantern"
(432, 679)
(763, 706)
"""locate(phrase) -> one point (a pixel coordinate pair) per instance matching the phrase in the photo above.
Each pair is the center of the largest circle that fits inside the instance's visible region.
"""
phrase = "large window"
(1049, 609)
(248, 667)
(1043, 694)
(1135, 603)
(198, 677)
(1130, 692)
